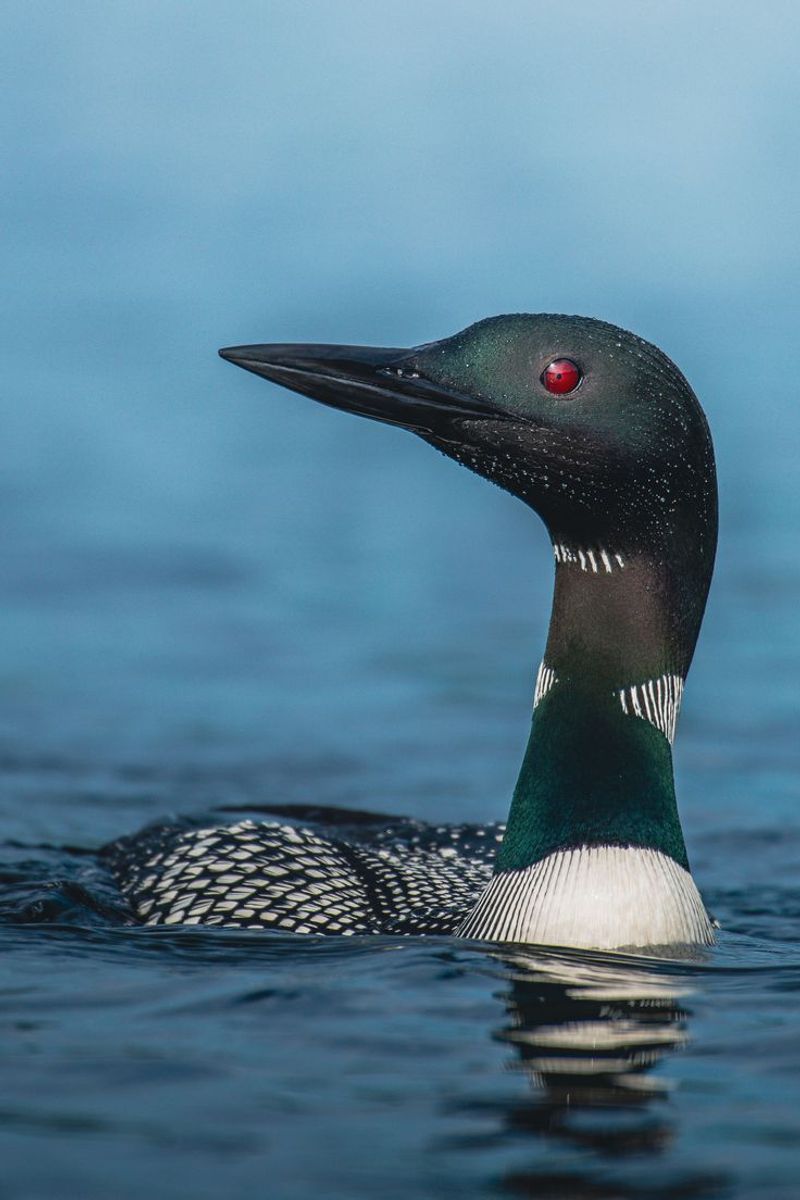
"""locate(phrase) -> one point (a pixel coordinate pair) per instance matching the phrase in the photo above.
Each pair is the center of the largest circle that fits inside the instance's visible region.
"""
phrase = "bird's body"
(598, 432)
(404, 877)
(384, 876)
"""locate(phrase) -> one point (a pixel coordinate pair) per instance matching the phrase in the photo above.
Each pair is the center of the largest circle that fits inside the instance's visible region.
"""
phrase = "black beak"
(386, 385)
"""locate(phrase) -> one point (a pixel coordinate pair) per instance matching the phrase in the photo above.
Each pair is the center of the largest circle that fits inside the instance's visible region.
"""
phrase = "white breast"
(599, 897)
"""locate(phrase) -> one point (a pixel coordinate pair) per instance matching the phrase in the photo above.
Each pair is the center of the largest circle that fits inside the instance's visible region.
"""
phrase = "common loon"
(599, 433)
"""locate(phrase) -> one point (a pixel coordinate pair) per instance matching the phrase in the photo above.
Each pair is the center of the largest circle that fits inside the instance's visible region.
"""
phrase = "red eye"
(562, 376)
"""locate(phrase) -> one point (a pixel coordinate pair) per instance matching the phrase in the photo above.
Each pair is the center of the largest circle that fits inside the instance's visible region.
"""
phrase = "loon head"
(592, 427)
(599, 433)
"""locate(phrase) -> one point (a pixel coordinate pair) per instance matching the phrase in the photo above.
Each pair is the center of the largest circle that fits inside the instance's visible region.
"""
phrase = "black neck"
(595, 771)
(619, 626)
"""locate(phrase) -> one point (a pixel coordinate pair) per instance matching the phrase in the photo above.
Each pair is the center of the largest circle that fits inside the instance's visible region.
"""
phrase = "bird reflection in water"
(588, 1030)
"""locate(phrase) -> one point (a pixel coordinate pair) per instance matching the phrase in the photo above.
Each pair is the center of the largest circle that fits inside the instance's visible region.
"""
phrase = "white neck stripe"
(595, 562)
(545, 678)
(657, 701)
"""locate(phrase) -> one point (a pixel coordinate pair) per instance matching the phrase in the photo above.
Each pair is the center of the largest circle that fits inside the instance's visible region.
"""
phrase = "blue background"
(217, 592)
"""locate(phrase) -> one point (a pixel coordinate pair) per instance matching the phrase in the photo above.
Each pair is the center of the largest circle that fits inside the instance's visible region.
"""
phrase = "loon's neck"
(593, 852)
(598, 767)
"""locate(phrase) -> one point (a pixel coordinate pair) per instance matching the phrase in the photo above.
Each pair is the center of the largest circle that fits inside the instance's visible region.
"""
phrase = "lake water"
(217, 596)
